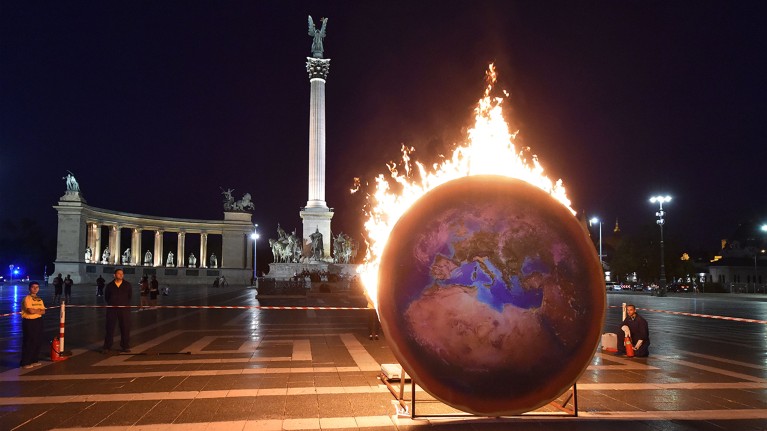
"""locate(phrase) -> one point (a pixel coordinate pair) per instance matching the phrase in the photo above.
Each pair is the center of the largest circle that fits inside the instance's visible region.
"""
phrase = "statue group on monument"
(105, 256)
(344, 248)
(285, 248)
(243, 204)
(126, 256)
(72, 185)
(317, 35)
(317, 247)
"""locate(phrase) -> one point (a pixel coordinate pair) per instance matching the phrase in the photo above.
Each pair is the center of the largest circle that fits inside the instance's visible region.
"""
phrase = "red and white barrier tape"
(706, 316)
(19, 312)
(223, 307)
(273, 307)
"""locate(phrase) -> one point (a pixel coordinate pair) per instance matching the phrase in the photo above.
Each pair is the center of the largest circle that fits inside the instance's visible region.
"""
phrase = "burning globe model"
(491, 295)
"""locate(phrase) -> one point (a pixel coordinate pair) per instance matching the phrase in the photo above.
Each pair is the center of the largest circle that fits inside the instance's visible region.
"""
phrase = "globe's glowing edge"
(491, 295)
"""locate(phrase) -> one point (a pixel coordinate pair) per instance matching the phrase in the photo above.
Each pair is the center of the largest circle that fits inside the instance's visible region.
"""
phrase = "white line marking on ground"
(302, 350)
(361, 356)
(393, 421)
(102, 376)
(726, 361)
(740, 376)
(329, 390)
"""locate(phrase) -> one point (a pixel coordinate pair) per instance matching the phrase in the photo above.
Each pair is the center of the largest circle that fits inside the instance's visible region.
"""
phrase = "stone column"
(97, 243)
(318, 69)
(316, 215)
(71, 239)
(114, 245)
(180, 257)
(135, 246)
(158, 257)
(91, 241)
(203, 250)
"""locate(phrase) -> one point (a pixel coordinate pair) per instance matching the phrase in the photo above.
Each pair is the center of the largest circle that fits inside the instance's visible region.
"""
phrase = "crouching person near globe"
(635, 327)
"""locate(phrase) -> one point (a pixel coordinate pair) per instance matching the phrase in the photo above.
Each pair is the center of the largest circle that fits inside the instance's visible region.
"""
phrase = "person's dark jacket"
(639, 331)
(114, 295)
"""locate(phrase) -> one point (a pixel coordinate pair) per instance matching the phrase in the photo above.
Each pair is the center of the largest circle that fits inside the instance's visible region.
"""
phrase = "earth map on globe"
(491, 296)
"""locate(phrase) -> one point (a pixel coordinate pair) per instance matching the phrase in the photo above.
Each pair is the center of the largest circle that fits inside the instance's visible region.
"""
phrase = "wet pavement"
(200, 368)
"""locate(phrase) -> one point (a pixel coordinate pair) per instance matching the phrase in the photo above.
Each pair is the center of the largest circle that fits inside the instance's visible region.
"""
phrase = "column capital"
(318, 67)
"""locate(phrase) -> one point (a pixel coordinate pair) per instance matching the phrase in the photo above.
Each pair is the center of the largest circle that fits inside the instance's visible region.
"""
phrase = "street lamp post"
(763, 228)
(756, 271)
(595, 220)
(660, 200)
(254, 236)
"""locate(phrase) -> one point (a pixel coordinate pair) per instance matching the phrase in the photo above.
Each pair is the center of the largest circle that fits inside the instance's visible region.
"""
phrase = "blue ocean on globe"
(492, 290)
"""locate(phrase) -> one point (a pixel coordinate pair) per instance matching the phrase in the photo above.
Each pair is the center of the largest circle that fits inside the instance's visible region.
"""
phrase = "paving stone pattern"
(194, 369)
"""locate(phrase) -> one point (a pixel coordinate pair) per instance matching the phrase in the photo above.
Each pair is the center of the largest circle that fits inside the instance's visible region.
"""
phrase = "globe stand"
(405, 409)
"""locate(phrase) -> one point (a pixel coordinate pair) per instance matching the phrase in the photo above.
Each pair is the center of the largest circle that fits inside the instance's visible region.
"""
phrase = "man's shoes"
(37, 364)
(28, 366)
(376, 337)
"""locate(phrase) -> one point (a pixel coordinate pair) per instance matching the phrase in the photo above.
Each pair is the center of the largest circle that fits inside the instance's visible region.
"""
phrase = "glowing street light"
(254, 237)
(756, 271)
(593, 221)
(763, 228)
(661, 200)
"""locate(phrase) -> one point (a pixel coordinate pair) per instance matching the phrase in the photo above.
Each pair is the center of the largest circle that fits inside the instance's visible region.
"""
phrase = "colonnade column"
(158, 248)
(203, 250)
(96, 243)
(135, 246)
(91, 242)
(180, 258)
(114, 246)
(117, 251)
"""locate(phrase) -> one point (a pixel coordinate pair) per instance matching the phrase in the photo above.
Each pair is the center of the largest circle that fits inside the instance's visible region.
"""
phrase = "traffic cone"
(629, 347)
(55, 352)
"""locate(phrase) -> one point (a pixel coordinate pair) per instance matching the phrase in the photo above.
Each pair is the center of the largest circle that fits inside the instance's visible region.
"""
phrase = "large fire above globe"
(491, 295)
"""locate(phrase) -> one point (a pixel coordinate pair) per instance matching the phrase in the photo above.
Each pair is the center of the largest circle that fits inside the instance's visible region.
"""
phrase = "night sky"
(155, 105)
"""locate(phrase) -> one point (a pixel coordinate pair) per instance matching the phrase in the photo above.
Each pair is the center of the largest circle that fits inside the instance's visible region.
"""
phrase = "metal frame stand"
(405, 409)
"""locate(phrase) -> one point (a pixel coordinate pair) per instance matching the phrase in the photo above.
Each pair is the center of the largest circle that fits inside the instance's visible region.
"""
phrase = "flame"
(489, 151)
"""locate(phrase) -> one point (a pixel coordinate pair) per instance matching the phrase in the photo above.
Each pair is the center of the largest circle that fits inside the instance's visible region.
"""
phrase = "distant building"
(741, 265)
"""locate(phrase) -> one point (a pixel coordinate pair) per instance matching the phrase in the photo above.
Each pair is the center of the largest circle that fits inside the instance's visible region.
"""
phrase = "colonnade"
(159, 256)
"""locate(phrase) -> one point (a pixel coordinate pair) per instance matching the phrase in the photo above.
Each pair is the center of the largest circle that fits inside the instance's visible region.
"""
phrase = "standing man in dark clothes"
(118, 292)
(154, 291)
(635, 326)
(100, 286)
(58, 285)
(68, 288)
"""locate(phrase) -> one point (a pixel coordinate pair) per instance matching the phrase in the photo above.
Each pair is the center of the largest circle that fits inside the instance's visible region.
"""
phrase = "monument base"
(318, 219)
(285, 271)
(87, 273)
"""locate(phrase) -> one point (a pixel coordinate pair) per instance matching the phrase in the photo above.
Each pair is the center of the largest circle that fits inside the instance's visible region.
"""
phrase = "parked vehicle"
(680, 287)
(612, 286)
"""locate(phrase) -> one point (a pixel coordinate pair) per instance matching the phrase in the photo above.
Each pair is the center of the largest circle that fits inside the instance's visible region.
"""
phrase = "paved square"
(315, 369)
